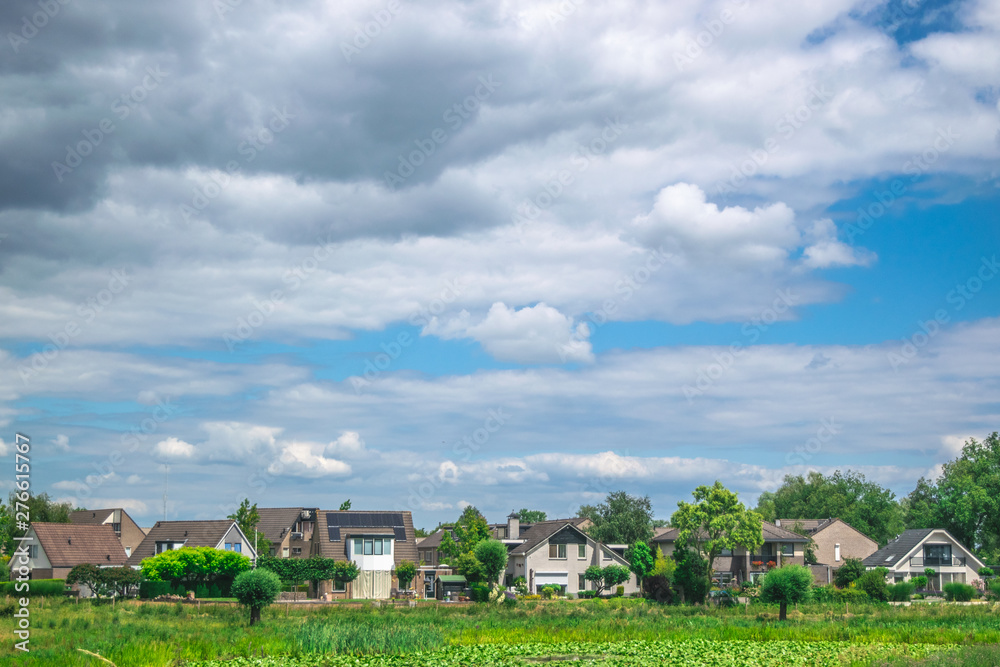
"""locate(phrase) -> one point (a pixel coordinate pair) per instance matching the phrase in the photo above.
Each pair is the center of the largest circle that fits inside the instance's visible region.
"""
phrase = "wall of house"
(372, 562)
(852, 544)
(538, 568)
(132, 535)
(233, 537)
(904, 570)
(39, 561)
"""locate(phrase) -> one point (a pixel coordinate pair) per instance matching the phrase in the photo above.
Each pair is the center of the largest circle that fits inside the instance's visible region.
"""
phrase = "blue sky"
(465, 261)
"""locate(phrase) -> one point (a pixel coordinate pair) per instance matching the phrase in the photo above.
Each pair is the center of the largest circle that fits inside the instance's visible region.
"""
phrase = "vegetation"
(195, 566)
(405, 572)
(247, 517)
(716, 521)
(850, 571)
(105, 582)
(901, 592)
(605, 578)
(641, 561)
(470, 529)
(690, 575)
(492, 557)
(787, 585)
(873, 584)
(41, 509)
(620, 519)
(255, 590)
(346, 505)
(958, 592)
(294, 571)
(530, 516)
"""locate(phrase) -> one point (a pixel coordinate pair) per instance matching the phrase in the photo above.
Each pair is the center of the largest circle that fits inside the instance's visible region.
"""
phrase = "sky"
(512, 254)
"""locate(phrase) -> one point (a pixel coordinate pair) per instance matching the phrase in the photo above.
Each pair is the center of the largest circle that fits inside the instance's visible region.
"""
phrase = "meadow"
(606, 632)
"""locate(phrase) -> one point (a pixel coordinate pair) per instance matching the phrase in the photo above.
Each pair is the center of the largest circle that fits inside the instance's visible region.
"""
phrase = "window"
(378, 547)
(557, 551)
(388, 546)
(128, 551)
(581, 551)
(339, 586)
(117, 527)
(163, 546)
(937, 554)
(581, 582)
(237, 547)
(726, 552)
(296, 551)
(787, 549)
(605, 555)
(369, 547)
(836, 552)
(358, 546)
(284, 552)
(33, 551)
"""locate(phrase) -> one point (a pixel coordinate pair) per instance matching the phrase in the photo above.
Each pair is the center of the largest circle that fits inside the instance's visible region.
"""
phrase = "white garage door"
(546, 578)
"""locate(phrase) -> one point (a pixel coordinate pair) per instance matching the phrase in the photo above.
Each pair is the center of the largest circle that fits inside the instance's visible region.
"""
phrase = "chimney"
(777, 522)
(513, 526)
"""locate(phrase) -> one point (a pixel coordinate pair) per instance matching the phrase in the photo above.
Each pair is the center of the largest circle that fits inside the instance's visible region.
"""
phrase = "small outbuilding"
(447, 584)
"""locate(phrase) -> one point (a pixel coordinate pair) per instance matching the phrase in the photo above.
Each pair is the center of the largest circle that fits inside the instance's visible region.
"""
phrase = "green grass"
(147, 633)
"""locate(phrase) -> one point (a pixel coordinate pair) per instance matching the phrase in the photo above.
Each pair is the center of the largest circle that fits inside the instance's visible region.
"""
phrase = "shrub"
(901, 592)
(256, 589)
(787, 585)
(479, 593)
(531, 597)
(919, 583)
(620, 592)
(873, 584)
(154, 589)
(995, 589)
(214, 591)
(201, 591)
(852, 570)
(658, 588)
(958, 592)
(405, 572)
(521, 585)
(985, 572)
(36, 588)
(691, 575)
(549, 591)
(586, 595)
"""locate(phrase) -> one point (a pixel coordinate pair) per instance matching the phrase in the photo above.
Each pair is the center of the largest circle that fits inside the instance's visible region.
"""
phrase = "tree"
(346, 505)
(640, 561)
(786, 585)
(608, 577)
(247, 517)
(195, 565)
(40, 509)
(405, 572)
(492, 557)
(470, 529)
(294, 571)
(89, 575)
(690, 575)
(120, 580)
(717, 520)
(659, 583)
(256, 589)
(620, 519)
(469, 567)
(850, 571)
(420, 532)
(530, 516)
(873, 583)
(865, 505)
(810, 549)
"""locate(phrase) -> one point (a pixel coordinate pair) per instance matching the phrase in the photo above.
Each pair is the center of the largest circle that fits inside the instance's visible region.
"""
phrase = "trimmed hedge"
(901, 592)
(830, 593)
(36, 588)
(957, 592)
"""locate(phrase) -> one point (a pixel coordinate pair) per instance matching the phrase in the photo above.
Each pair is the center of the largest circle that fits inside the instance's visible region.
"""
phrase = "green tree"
(420, 532)
(605, 578)
(641, 561)
(469, 567)
(492, 557)
(873, 583)
(810, 549)
(405, 572)
(530, 516)
(40, 508)
(620, 519)
(851, 570)
(120, 580)
(865, 505)
(256, 589)
(690, 575)
(247, 517)
(659, 583)
(470, 529)
(89, 575)
(195, 565)
(786, 585)
(346, 505)
(716, 521)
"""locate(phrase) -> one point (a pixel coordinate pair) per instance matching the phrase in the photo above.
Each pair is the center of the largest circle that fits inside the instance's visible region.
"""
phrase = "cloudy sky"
(514, 254)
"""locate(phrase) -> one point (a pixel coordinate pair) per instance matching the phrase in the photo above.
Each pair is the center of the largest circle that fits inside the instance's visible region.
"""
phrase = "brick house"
(288, 529)
(128, 531)
(56, 548)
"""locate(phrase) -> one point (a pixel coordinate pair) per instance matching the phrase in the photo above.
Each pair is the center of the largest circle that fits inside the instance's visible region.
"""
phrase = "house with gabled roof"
(169, 535)
(376, 541)
(780, 547)
(918, 549)
(833, 539)
(288, 529)
(56, 548)
(128, 531)
(558, 552)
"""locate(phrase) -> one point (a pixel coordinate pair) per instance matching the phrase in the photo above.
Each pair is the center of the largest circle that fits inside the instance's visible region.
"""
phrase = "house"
(375, 541)
(780, 547)
(915, 550)
(170, 535)
(833, 539)
(56, 548)
(288, 529)
(558, 553)
(428, 548)
(128, 531)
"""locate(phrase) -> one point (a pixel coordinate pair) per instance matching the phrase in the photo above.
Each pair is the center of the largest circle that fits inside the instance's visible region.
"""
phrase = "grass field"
(138, 633)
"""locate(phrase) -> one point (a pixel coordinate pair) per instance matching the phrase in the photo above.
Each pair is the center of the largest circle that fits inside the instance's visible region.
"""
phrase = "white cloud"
(348, 444)
(305, 459)
(132, 480)
(61, 442)
(174, 449)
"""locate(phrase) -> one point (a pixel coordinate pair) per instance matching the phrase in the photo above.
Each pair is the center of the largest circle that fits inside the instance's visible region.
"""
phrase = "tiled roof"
(90, 517)
(892, 553)
(68, 545)
(542, 531)
(276, 522)
(432, 541)
(191, 533)
(811, 526)
(345, 524)
(771, 533)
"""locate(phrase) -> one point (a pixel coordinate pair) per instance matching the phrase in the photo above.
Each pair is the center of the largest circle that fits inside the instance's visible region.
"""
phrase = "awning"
(557, 578)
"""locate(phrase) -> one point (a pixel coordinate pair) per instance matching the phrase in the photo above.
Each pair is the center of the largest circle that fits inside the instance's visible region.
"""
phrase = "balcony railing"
(935, 561)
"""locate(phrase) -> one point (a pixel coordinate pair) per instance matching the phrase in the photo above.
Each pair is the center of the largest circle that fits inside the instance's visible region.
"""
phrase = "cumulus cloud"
(174, 449)
(61, 442)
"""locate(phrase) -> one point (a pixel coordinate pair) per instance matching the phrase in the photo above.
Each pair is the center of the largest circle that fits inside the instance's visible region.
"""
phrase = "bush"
(492, 557)
(154, 589)
(531, 597)
(36, 588)
(787, 585)
(873, 584)
(549, 591)
(214, 591)
(521, 586)
(986, 572)
(586, 595)
(852, 570)
(901, 592)
(958, 592)
(920, 583)
(479, 593)
(256, 589)
(658, 588)
(994, 588)
(620, 592)
(691, 575)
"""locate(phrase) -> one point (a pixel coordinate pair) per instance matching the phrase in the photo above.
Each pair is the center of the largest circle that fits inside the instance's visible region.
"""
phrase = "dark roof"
(432, 541)
(276, 522)
(191, 533)
(771, 533)
(334, 528)
(90, 517)
(542, 531)
(68, 544)
(811, 526)
(892, 553)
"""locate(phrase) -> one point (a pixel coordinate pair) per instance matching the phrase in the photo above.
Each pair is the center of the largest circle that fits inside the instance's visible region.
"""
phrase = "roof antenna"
(166, 471)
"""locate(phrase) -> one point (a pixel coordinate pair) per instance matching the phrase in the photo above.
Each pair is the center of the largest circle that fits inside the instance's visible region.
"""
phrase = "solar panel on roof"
(334, 533)
(400, 533)
(365, 519)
